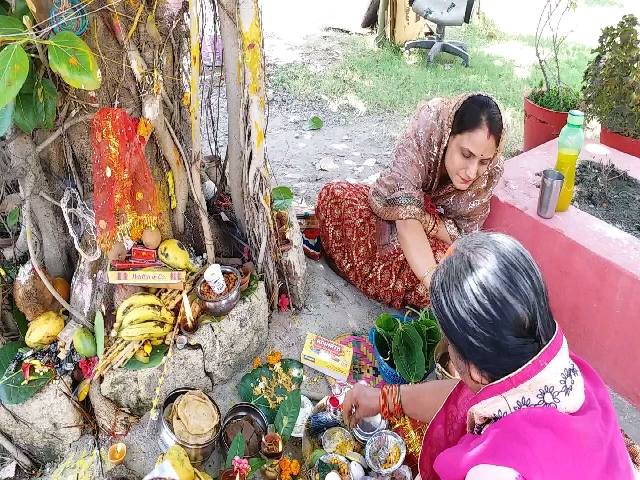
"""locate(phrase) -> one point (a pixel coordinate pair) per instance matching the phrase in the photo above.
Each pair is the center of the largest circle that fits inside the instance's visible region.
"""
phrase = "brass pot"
(443, 366)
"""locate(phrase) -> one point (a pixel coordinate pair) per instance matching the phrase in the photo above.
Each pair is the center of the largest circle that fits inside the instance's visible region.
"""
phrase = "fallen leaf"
(315, 123)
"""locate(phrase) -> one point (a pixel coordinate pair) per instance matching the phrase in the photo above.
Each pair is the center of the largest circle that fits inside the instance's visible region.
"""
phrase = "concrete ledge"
(592, 269)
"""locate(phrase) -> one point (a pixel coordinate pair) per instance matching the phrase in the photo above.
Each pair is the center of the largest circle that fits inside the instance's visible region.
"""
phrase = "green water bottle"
(569, 146)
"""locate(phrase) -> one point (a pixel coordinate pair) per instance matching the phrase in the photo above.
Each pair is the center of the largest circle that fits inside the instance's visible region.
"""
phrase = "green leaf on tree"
(12, 391)
(155, 358)
(11, 29)
(282, 198)
(6, 116)
(14, 68)
(13, 217)
(287, 415)
(25, 114)
(74, 61)
(314, 123)
(236, 449)
(21, 9)
(46, 96)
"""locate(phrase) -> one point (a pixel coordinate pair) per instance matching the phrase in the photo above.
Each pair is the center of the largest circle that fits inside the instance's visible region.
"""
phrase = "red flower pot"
(541, 124)
(620, 142)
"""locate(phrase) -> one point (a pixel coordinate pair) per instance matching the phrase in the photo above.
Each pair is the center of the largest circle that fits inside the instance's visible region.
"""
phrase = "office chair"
(444, 13)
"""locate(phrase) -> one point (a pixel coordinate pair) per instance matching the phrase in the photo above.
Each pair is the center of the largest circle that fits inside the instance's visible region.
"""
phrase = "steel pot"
(166, 438)
(238, 412)
(222, 305)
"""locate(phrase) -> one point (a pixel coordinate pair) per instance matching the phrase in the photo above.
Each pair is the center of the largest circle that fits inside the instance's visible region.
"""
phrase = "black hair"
(491, 303)
(475, 112)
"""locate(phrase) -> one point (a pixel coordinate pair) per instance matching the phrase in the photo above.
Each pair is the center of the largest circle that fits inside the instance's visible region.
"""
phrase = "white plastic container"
(213, 276)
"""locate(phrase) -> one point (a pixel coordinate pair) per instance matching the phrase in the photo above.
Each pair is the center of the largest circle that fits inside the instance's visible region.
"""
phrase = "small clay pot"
(245, 271)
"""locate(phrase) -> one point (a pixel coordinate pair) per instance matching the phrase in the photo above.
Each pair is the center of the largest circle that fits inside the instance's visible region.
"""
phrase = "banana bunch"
(143, 316)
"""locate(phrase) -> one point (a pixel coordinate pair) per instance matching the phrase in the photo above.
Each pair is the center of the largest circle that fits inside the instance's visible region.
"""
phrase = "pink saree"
(552, 419)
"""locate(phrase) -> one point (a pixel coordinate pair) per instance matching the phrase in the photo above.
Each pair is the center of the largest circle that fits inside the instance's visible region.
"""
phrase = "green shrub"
(611, 88)
(552, 100)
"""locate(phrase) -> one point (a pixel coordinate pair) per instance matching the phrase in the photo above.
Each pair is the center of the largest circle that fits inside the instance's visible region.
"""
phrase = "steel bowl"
(238, 412)
(367, 427)
(167, 439)
(384, 440)
(336, 431)
(222, 305)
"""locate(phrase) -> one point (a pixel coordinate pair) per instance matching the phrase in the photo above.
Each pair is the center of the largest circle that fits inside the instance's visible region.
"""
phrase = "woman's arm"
(420, 402)
(417, 249)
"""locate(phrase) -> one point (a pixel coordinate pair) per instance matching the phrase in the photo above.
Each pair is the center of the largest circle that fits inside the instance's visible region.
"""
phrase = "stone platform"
(592, 269)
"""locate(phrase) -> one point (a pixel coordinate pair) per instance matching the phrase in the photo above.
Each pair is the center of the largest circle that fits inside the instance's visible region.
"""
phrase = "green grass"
(602, 3)
(387, 79)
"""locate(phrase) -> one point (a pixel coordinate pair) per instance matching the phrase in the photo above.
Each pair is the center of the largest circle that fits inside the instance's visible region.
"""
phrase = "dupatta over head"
(414, 173)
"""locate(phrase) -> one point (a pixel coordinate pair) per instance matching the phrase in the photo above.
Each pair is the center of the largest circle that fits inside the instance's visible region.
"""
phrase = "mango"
(44, 330)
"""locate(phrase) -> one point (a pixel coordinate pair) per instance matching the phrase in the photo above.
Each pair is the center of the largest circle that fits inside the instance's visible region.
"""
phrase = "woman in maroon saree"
(525, 406)
(386, 240)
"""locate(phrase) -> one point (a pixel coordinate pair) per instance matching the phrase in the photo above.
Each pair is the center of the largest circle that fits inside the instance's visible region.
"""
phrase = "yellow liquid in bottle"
(566, 165)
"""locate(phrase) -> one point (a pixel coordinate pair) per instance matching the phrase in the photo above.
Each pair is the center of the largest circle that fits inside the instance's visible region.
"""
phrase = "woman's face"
(468, 156)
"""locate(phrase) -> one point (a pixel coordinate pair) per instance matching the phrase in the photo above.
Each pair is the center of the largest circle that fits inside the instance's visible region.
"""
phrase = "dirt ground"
(609, 194)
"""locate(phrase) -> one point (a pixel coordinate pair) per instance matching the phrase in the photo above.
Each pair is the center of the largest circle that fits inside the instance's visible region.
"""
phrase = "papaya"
(84, 342)
(44, 330)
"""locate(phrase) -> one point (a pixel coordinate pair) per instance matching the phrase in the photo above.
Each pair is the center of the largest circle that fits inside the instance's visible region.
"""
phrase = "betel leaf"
(46, 96)
(13, 217)
(314, 123)
(252, 287)
(267, 399)
(282, 198)
(21, 321)
(324, 468)
(256, 464)
(6, 117)
(236, 449)
(24, 114)
(408, 354)
(287, 415)
(11, 29)
(14, 68)
(3, 10)
(12, 391)
(74, 61)
(155, 358)
(386, 323)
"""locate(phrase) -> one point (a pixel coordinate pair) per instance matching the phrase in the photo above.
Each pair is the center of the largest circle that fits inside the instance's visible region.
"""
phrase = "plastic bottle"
(569, 146)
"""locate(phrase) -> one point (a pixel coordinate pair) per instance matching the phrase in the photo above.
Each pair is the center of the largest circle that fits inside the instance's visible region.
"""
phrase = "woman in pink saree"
(525, 406)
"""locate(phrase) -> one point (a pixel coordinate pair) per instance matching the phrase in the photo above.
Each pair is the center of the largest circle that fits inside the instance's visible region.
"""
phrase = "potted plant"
(612, 86)
(546, 107)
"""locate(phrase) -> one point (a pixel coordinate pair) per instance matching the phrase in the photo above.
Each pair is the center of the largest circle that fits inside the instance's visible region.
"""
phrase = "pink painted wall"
(592, 269)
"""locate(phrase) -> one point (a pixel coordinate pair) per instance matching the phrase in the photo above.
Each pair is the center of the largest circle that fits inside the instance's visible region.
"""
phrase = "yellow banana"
(137, 299)
(144, 313)
(145, 331)
(174, 254)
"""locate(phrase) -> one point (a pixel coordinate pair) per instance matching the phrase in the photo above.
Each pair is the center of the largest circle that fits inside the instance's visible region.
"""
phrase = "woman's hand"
(366, 401)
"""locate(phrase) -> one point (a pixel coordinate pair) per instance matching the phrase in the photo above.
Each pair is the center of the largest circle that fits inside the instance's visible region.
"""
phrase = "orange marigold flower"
(285, 476)
(285, 464)
(295, 468)
(256, 362)
(274, 357)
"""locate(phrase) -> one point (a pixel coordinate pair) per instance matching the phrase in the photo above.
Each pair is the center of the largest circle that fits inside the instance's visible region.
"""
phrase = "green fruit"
(84, 342)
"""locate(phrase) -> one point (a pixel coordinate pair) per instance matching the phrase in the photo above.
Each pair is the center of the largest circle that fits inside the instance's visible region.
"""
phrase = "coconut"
(151, 238)
(118, 251)
(31, 295)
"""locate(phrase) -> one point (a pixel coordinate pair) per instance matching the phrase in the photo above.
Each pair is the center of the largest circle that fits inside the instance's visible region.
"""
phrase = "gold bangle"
(433, 267)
